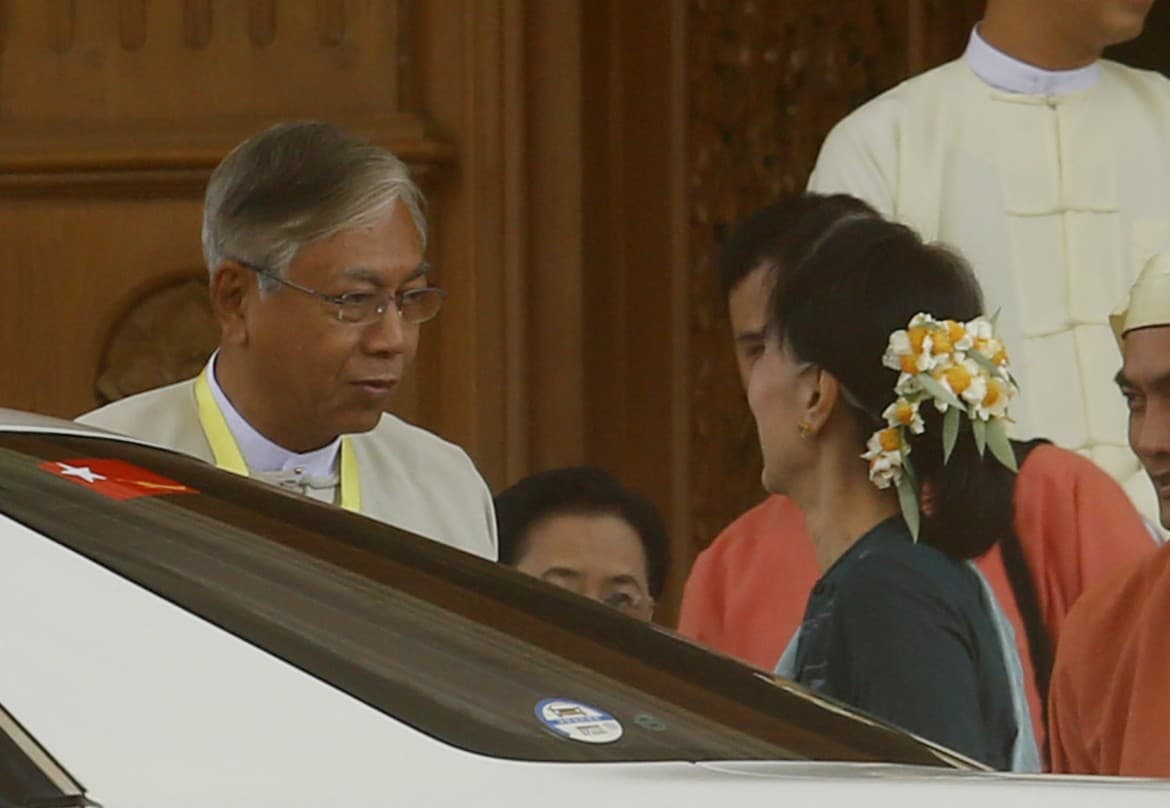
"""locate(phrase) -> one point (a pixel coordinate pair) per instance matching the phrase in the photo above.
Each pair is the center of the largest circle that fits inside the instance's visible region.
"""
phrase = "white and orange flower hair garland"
(963, 369)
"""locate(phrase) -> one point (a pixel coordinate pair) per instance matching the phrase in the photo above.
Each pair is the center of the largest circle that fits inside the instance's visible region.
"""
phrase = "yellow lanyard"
(227, 452)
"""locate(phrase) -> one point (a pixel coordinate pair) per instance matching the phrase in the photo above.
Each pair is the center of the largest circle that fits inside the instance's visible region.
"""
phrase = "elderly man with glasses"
(314, 240)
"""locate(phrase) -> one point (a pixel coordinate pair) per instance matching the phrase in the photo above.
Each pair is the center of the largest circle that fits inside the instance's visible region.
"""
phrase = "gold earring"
(804, 428)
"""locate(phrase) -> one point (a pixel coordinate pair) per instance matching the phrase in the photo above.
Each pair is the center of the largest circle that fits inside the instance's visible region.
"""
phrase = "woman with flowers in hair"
(880, 403)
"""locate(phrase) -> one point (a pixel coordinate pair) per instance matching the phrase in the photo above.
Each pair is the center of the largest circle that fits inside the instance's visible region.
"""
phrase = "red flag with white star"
(115, 479)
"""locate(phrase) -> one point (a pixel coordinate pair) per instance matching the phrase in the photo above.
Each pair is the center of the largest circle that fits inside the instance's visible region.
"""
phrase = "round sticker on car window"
(578, 722)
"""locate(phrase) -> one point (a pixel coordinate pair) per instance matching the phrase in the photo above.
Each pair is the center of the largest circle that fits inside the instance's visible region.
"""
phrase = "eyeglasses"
(414, 306)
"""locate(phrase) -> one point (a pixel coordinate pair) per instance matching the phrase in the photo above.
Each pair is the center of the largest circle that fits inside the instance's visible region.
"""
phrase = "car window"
(29, 776)
(467, 651)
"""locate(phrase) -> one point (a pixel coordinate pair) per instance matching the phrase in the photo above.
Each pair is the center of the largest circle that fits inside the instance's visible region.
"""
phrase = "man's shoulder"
(1115, 608)
(1144, 81)
(1138, 101)
(1051, 471)
(927, 89)
(430, 486)
(412, 444)
(1048, 460)
(167, 416)
(143, 411)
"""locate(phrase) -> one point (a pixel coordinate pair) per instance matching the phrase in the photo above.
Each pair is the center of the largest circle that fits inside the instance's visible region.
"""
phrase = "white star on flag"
(83, 472)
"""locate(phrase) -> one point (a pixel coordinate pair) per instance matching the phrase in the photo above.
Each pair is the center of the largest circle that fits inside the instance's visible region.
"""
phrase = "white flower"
(979, 328)
(981, 389)
(903, 413)
(995, 401)
(973, 396)
(964, 342)
(899, 346)
(928, 360)
(991, 349)
(908, 386)
(976, 390)
(885, 457)
(886, 470)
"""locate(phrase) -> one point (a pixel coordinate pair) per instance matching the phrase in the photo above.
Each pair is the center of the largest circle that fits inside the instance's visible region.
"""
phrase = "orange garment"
(747, 591)
(1109, 711)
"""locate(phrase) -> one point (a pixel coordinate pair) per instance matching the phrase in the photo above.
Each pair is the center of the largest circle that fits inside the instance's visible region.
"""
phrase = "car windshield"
(467, 651)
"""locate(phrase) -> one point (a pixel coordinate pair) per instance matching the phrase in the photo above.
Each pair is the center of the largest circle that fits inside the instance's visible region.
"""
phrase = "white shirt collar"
(1011, 75)
(261, 454)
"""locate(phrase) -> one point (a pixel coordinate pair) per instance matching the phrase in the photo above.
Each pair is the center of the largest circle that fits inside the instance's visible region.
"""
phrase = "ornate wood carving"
(938, 31)
(767, 79)
(123, 113)
(165, 336)
(166, 161)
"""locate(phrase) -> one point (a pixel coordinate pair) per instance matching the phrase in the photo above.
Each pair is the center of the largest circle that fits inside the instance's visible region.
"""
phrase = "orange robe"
(747, 591)
(1109, 711)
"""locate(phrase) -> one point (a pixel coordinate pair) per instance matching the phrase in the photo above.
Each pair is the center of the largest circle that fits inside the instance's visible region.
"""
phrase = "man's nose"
(1152, 434)
(387, 334)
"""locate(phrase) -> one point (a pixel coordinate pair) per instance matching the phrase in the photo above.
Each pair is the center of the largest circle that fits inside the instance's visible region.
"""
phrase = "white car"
(174, 635)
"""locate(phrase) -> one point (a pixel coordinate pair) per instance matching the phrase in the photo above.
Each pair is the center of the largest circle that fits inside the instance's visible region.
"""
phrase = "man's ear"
(232, 288)
(822, 393)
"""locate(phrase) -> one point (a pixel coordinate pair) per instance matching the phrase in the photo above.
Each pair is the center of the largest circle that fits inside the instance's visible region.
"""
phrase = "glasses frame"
(340, 301)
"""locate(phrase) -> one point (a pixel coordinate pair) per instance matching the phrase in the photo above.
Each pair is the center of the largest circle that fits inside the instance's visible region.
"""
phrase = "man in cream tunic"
(1049, 169)
(314, 240)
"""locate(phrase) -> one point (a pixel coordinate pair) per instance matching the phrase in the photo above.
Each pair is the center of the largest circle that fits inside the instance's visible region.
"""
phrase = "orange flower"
(917, 335)
(941, 342)
(909, 364)
(997, 391)
(1000, 356)
(955, 330)
(890, 439)
(958, 377)
(903, 413)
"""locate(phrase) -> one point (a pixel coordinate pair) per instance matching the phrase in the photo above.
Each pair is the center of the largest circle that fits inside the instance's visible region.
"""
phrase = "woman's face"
(776, 389)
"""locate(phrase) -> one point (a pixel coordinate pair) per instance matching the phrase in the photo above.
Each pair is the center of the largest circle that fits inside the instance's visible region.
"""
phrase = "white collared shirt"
(1011, 75)
(261, 454)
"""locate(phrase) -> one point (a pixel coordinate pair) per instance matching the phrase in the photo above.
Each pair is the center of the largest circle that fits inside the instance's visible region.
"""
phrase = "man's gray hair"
(297, 183)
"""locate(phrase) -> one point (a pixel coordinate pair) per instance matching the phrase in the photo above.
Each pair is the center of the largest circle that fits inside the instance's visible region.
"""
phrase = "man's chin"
(357, 422)
(1130, 25)
(1164, 513)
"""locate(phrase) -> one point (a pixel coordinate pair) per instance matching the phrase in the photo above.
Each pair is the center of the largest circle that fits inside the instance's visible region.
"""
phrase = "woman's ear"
(820, 398)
